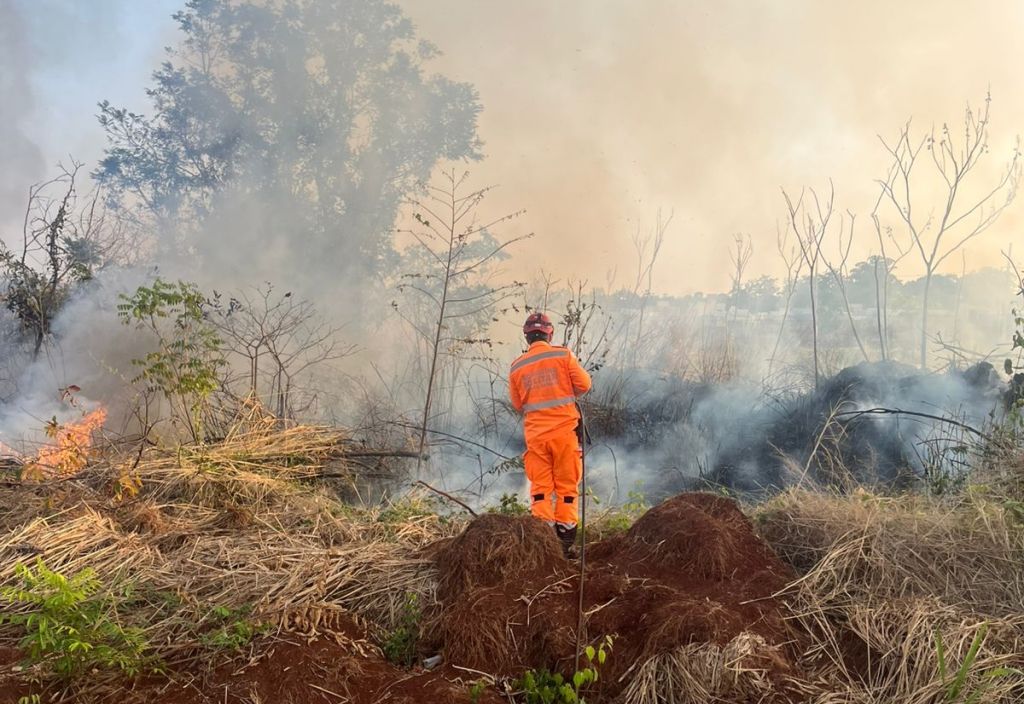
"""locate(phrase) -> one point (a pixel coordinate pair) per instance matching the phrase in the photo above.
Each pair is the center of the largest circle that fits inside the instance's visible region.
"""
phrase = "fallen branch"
(448, 496)
(929, 416)
(452, 437)
(382, 453)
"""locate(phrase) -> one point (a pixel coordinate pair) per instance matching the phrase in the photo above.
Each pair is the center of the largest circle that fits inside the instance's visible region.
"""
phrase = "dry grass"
(705, 673)
(242, 525)
(237, 525)
(885, 578)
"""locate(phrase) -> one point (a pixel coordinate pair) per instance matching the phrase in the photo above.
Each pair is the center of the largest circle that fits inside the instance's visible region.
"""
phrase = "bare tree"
(811, 227)
(794, 262)
(887, 262)
(280, 339)
(647, 246)
(960, 217)
(840, 273)
(740, 254)
(455, 279)
(585, 327)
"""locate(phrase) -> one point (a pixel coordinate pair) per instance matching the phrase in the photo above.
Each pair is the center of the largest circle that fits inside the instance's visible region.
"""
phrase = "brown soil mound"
(690, 571)
(493, 547)
(701, 534)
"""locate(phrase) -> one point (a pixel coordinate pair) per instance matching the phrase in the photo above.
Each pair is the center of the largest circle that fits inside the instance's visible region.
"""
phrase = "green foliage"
(399, 646)
(184, 366)
(68, 626)
(510, 505)
(227, 133)
(59, 250)
(476, 692)
(545, 687)
(956, 680)
(29, 699)
(512, 464)
(233, 629)
(625, 516)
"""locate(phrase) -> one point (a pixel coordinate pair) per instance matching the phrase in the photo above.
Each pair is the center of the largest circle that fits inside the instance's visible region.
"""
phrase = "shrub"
(234, 629)
(510, 505)
(399, 646)
(544, 687)
(68, 627)
(188, 356)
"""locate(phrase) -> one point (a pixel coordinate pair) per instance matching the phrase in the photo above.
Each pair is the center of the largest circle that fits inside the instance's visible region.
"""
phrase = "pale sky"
(598, 112)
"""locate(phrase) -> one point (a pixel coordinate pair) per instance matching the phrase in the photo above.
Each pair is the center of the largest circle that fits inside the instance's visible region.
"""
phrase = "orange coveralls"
(543, 384)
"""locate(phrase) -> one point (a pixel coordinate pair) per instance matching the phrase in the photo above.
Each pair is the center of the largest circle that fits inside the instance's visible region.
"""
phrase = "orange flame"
(69, 451)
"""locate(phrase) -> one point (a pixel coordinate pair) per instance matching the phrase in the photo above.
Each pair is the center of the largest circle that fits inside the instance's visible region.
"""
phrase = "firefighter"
(543, 385)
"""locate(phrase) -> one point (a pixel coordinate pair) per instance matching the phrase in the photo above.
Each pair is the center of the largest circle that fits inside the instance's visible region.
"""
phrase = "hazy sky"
(597, 112)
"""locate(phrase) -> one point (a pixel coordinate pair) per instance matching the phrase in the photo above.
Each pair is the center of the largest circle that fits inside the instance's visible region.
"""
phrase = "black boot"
(568, 538)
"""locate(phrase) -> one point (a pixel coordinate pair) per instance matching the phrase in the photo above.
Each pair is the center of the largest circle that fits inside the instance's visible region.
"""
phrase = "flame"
(69, 451)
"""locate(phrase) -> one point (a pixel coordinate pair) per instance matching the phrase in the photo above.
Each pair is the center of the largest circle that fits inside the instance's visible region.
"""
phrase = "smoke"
(599, 114)
(91, 350)
(595, 116)
(20, 157)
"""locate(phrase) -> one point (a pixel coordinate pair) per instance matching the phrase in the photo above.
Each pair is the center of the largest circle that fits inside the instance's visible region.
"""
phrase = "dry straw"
(888, 579)
(237, 525)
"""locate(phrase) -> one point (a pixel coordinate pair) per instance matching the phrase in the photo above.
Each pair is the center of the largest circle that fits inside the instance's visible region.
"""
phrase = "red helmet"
(538, 322)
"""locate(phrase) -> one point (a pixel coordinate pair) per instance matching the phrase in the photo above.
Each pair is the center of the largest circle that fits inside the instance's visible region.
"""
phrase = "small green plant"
(510, 505)
(545, 687)
(29, 699)
(68, 626)
(399, 646)
(408, 508)
(957, 680)
(476, 692)
(625, 516)
(184, 366)
(234, 630)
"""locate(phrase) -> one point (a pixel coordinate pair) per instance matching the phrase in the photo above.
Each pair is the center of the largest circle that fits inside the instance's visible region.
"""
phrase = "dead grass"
(885, 578)
(236, 525)
(242, 525)
(705, 673)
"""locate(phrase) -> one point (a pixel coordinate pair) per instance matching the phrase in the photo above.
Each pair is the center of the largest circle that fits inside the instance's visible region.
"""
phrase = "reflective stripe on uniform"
(552, 403)
(536, 358)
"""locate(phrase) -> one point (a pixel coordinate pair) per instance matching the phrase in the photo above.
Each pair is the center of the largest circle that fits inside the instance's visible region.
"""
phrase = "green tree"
(292, 121)
(63, 242)
(187, 354)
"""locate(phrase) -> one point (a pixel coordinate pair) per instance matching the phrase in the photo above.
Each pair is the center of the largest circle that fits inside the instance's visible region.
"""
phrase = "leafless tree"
(647, 246)
(280, 339)
(740, 254)
(455, 279)
(810, 228)
(891, 253)
(840, 273)
(585, 327)
(936, 231)
(794, 263)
